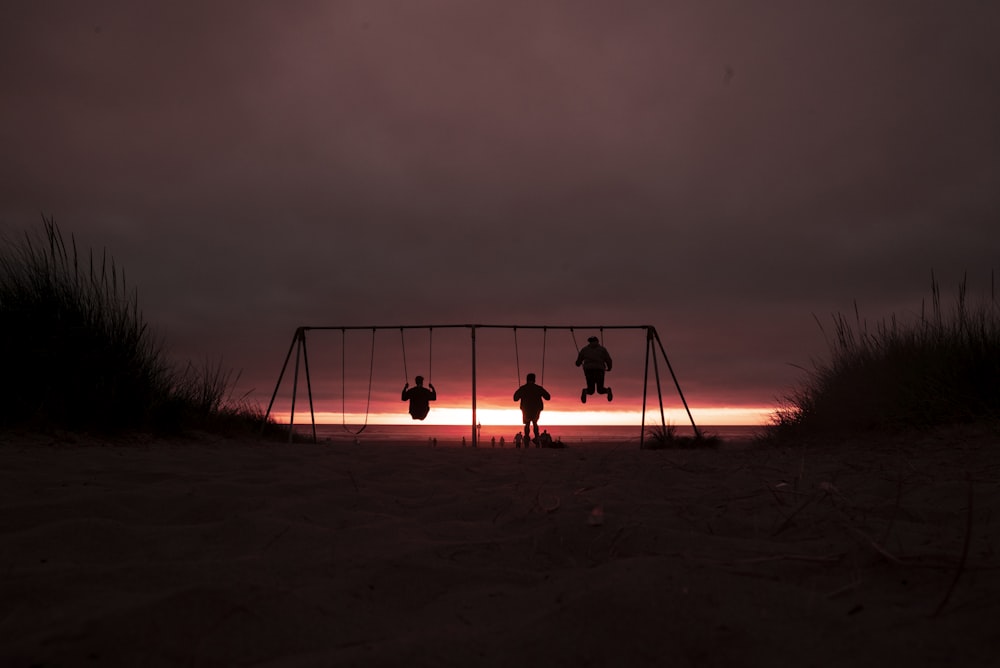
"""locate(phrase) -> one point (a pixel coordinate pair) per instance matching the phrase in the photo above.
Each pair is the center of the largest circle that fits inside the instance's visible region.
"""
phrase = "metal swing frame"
(653, 345)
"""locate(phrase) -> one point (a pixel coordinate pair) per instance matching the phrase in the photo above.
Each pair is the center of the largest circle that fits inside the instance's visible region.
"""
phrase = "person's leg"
(589, 375)
(599, 380)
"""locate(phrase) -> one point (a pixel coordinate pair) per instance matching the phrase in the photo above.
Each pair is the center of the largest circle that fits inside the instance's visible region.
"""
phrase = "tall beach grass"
(940, 368)
(79, 355)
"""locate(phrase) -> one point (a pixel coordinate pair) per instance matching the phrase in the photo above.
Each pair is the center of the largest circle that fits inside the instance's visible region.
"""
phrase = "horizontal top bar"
(470, 326)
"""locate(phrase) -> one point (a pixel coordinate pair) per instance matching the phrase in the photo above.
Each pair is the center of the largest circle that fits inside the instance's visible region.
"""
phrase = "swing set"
(298, 345)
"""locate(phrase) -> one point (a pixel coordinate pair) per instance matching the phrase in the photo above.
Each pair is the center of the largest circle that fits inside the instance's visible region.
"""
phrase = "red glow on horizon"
(510, 416)
(364, 386)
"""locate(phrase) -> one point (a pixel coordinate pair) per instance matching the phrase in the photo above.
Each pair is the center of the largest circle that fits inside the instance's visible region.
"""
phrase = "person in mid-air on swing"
(530, 395)
(595, 360)
(419, 398)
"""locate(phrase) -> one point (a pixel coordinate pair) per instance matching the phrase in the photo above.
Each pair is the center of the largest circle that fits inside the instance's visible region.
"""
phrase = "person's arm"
(403, 396)
(546, 395)
(607, 360)
(434, 394)
(579, 357)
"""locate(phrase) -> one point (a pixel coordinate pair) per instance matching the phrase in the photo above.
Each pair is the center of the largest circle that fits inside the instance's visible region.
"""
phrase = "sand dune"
(221, 553)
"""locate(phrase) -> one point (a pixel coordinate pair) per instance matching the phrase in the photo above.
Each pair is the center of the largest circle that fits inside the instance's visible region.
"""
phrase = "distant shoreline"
(490, 435)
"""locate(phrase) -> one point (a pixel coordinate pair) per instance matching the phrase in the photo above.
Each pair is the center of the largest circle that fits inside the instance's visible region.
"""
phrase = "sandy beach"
(214, 552)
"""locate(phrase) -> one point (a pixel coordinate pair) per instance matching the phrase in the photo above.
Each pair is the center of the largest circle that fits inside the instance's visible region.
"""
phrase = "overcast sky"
(722, 170)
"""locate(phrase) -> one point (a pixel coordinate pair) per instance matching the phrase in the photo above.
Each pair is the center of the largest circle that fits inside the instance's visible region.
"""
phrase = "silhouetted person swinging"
(419, 398)
(531, 395)
(595, 360)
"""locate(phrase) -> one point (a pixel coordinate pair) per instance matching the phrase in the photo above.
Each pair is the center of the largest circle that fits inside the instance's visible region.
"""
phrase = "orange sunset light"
(716, 415)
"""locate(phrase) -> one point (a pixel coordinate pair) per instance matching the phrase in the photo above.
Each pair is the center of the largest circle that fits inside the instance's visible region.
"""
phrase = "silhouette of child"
(419, 398)
(595, 360)
(531, 397)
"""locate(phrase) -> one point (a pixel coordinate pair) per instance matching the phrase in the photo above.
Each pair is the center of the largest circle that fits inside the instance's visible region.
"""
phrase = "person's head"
(419, 380)
(593, 340)
(530, 378)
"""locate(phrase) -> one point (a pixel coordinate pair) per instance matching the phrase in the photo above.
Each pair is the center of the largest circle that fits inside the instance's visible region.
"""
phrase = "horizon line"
(753, 416)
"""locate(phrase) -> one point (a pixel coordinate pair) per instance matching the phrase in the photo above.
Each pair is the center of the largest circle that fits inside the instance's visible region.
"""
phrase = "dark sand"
(223, 553)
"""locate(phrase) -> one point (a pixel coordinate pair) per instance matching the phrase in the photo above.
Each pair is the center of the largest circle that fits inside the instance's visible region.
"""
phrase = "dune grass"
(667, 438)
(80, 356)
(939, 369)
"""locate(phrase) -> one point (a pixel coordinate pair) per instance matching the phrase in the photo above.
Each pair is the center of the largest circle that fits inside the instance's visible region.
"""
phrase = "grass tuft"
(941, 369)
(80, 355)
(666, 438)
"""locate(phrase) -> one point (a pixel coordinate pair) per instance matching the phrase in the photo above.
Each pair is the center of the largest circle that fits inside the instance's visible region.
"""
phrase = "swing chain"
(545, 331)
(343, 383)
(402, 341)
(517, 358)
(430, 355)
(517, 355)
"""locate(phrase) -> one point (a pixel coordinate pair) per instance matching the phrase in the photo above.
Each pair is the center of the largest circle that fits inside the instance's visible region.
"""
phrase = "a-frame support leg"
(312, 411)
(284, 367)
(680, 392)
(659, 389)
(645, 385)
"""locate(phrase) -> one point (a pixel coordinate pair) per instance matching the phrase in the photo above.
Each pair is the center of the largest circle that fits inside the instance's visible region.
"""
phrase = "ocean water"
(453, 434)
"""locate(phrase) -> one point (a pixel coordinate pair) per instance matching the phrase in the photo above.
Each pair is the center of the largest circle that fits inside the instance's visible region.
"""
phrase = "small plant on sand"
(78, 353)
(666, 437)
(941, 369)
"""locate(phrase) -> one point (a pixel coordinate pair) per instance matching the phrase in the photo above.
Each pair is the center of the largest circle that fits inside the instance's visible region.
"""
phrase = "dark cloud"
(718, 170)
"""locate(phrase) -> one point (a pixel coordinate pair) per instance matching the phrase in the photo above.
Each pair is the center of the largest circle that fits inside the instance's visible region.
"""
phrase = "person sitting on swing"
(419, 398)
(530, 395)
(595, 360)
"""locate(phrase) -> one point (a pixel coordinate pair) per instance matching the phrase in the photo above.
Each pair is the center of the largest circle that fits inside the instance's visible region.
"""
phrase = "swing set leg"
(284, 367)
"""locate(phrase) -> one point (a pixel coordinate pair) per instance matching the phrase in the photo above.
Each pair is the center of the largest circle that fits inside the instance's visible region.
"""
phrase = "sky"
(730, 173)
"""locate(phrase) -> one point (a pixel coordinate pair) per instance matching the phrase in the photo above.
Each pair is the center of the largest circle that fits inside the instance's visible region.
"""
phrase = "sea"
(490, 436)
